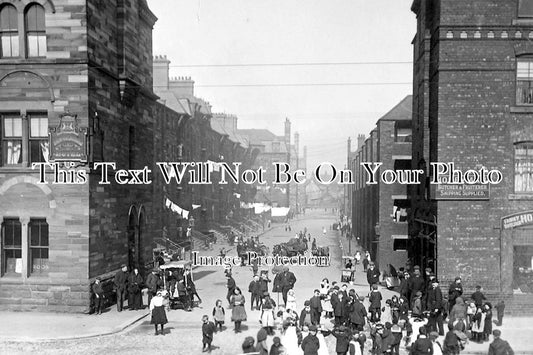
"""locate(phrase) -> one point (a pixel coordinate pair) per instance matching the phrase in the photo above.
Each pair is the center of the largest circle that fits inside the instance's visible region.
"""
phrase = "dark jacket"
(343, 340)
(231, 285)
(310, 345)
(255, 288)
(152, 282)
(357, 313)
(416, 283)
(500, 347)
(98, 290)
(434, 299)
(135, 283)
(375, 299)
(372, 276)
(207, 332)
(455, 290)
(303, 315)
(422, 346)
(340, 308)
(121, 280)
(478, 298)
(315, 303)
(287, 280)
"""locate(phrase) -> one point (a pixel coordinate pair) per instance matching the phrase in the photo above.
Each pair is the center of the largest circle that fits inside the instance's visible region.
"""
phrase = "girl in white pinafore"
(290, 338)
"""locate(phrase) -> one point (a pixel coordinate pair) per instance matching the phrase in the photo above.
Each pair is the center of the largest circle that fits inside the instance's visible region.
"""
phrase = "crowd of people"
(420, 316)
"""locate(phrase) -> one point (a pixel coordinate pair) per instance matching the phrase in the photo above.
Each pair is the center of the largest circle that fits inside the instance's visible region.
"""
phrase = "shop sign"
(68, 142)
(517, 220)
(461, 192)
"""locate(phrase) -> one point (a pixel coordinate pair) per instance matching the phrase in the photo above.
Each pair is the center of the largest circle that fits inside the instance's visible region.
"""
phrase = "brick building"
(472, 106)
(379, 217)
(82, 71)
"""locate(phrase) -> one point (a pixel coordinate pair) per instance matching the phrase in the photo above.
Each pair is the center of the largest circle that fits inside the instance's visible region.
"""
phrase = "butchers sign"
(461, 192)
(68, 142)
(517, 220)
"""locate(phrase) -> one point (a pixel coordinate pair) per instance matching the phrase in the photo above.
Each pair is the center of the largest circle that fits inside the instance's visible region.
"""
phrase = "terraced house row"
(83, 71)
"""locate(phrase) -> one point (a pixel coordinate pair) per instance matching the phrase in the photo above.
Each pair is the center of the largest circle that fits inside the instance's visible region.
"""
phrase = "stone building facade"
(76, 86)
(380, 209)
(472, 106)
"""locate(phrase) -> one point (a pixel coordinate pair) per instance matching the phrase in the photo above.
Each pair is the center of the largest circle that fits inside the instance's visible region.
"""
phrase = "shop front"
(517, 254)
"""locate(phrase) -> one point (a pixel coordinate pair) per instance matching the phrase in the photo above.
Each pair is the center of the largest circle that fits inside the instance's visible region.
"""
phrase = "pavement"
(33, 328)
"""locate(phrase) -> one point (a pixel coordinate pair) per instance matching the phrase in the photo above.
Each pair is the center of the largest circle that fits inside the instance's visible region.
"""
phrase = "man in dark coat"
(416, 284)
(372, 275)
(153, 282)
(499, 346)
(316, 307)
(455, 290)
(255, 290)
(287, 282)
(121, 285)
(311, 344)
(434, 305)
(404, 286)
(231, 286)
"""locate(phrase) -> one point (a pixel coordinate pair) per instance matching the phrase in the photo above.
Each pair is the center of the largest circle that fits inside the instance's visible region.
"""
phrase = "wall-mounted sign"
(68, 142)
(461, 192)
(517, 220)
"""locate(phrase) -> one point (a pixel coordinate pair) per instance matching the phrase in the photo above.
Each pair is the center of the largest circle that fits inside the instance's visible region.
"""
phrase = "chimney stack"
(360, 140)
(161, 68)
(287, 132)
(182, 86)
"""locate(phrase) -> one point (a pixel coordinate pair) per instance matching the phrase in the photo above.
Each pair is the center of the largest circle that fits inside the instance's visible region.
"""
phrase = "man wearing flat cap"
(287, 281)
(121, 285)
(435, 305)
(499, 346)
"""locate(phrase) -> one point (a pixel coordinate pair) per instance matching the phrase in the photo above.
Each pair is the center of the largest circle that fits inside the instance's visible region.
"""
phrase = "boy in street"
(208, 328)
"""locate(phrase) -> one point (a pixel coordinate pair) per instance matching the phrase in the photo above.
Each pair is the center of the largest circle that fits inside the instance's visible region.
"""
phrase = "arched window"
(35, 31)
(9, 35)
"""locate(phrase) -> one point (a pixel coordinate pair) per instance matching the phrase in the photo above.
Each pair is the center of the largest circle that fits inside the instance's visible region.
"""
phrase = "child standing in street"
(219, 315)
(208, 328)
(375, 304)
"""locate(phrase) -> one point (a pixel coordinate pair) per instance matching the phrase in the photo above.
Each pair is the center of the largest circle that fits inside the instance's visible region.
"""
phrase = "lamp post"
(189, 234)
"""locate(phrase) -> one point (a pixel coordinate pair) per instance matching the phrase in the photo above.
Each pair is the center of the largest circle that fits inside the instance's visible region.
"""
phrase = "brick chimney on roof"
(182, 86)
(161, 67)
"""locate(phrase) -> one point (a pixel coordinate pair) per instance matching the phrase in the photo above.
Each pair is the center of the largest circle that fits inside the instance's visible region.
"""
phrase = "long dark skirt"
(135, 300)
(159, 316)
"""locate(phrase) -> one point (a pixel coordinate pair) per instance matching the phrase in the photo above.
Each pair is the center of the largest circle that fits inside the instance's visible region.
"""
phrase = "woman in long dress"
(157, 310)
(238, 313)
(135, 284)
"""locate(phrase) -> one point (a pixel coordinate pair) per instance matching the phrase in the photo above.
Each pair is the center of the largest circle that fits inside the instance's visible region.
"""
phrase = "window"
(11, 139)
(523, 158)
(38, 138)
(403, 131)
(9, 35)
(18, 134)
(35, 31)
(524, 81)
(38, 229)
(11, 246)
(525, 8)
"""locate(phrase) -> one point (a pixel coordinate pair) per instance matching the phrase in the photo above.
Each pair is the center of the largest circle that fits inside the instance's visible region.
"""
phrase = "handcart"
(173, 273)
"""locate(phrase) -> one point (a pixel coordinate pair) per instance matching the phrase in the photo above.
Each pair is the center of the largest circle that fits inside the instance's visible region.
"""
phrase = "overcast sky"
(307, 60)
